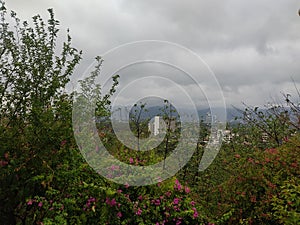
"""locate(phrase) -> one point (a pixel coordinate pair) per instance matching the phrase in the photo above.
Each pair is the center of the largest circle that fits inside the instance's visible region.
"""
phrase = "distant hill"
(149, 112)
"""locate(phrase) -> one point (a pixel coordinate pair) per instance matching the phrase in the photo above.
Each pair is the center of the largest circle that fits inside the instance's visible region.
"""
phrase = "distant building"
(209, 119)
(264, 137)
(227, 136)
(157, 125)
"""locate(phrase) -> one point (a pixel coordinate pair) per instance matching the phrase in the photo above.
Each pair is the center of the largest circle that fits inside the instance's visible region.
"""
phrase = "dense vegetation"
(45, 180)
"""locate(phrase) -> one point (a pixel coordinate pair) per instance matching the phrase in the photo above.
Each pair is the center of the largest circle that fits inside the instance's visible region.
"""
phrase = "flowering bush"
(45, 180)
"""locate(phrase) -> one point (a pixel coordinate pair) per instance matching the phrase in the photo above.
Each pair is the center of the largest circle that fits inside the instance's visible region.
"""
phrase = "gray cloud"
(253, 47)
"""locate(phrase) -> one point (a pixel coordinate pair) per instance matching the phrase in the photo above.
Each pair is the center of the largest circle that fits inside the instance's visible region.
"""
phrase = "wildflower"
(119, 215)
(113, 167)
(63, 143)
(91, 199)
(157, 202)
(178, 222)
(237, 156)
(138, 212)
(177, 185)
(272, 151)
(294, 164)
(176, 201)
(131, 160)
(192, 203)
(113, 202)
(40, 204)
(267, 160)
(195, 215)
(187, 189)
(29, 202)
(251, 160)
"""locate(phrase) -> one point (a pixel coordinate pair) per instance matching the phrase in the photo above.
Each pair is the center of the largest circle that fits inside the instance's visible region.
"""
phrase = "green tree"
(34, 109)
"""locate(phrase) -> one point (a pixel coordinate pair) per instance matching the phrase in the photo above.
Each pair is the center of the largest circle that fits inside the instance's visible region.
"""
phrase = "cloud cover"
(253, 47)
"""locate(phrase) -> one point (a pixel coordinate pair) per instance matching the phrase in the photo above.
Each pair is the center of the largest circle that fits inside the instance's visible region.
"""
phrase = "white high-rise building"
(156, 125)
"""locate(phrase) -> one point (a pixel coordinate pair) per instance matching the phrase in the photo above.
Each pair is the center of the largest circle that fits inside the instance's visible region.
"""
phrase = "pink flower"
(176, 201)
(187, 189)
(177, 185)
(40, 204)
(178, 222)
(119, 215)
(138, 212)
(195, 213)
(192, 203)
(140, 198)
(114, 167)
(272, 151)
(113, 202)
(251, 160)
(91, 199)
(237, 156)
(131, 160)
(157, 202)
(29, 202)
(63, 143)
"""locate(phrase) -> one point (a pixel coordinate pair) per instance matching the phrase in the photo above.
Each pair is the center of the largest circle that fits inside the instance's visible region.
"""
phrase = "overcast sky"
(252, 47)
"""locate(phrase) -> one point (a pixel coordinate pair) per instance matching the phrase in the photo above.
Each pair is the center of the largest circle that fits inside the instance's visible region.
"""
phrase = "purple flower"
(157, 202)
(177, 185)
(113, 202)
(187, 189)
(195, 212)
(138, 212)
(176, 201)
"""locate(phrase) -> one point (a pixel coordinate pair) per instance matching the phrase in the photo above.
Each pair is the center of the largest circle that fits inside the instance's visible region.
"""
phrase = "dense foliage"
(45, 180)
